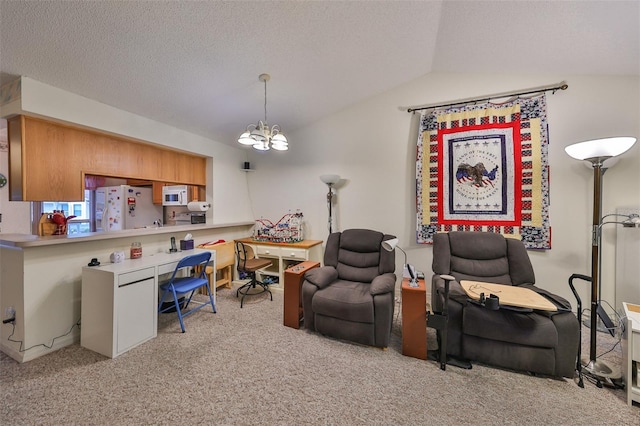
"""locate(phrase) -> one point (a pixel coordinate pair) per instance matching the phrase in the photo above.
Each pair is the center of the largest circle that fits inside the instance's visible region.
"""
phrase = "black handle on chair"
(445, 313)
(579, 314)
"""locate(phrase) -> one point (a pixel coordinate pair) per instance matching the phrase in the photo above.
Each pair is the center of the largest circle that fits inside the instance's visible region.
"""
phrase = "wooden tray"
(509, 295)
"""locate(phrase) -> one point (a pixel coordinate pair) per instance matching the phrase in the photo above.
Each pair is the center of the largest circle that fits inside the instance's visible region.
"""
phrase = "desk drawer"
(167, 268)
(267, 251)
(293, 253)
(135, 276)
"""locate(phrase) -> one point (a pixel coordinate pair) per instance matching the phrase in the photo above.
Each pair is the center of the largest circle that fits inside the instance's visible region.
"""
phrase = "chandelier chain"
(265, 101)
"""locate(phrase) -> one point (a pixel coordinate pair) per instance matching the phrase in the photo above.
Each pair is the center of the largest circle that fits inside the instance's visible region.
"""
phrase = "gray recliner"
(351, 297)
(526, 340)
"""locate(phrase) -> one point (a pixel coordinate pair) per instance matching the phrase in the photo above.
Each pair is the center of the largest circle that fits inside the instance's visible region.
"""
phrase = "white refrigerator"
(125, 207)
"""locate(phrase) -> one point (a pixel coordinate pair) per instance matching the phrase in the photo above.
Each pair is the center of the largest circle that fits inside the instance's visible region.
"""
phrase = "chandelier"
(261, 136)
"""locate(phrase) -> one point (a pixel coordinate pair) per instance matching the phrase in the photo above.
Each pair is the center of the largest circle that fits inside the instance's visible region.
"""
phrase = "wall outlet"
(9, 312)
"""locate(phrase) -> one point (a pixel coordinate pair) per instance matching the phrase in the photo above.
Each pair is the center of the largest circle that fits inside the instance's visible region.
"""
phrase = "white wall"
(16, 214)
(372, 146)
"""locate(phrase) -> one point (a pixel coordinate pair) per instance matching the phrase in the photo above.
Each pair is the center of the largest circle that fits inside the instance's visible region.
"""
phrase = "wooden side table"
(293, 278)
(414, 319)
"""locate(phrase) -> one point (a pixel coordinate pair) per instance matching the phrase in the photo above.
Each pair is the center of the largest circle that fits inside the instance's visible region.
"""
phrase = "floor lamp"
(330, 181)
(597, 152)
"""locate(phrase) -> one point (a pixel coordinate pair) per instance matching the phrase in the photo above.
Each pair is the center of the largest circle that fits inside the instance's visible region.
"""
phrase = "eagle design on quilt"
(476, 175)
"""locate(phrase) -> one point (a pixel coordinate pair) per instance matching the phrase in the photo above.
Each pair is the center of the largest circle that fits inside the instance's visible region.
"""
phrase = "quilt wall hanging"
(485, 168)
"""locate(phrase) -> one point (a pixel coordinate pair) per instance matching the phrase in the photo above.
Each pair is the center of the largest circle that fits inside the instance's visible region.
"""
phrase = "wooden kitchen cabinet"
(39, 170)
(48, 161)
(157, 192)
(156, 188)
(139, 182)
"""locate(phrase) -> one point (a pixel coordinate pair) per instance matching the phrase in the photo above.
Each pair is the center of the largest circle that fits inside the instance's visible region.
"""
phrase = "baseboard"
(38, 351)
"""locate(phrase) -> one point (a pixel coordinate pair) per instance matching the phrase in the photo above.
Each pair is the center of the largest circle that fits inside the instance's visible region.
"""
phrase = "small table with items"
(293, 279)
(414, 319)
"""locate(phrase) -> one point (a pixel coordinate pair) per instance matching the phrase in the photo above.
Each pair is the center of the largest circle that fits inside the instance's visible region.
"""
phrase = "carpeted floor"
(243, 367)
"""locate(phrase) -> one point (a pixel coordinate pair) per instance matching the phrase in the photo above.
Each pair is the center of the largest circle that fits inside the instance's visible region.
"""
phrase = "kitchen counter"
(41, 278)
(28, 240)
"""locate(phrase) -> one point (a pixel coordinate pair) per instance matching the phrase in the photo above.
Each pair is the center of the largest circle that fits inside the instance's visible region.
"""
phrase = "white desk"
(631, 352)
(120, 301)
(284, 255)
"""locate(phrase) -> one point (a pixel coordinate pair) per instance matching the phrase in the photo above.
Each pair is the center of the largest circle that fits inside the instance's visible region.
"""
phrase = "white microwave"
(175, 195)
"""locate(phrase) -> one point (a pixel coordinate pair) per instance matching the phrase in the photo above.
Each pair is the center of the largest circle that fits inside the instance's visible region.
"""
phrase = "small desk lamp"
(597, 152)
(392, 244)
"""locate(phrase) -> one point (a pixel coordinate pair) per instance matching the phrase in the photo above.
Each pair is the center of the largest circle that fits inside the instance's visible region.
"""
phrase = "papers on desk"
(633, 313)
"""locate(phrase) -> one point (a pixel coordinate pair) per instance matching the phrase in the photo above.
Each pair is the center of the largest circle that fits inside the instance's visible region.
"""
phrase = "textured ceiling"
(195, 65)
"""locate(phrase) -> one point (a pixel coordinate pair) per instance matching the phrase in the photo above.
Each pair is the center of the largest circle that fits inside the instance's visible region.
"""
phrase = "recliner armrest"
(383, 284)
(456, 292)
(321, 277)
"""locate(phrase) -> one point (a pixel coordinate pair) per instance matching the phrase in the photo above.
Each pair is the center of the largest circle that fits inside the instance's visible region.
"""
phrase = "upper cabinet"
(40, 166)
(48, 161)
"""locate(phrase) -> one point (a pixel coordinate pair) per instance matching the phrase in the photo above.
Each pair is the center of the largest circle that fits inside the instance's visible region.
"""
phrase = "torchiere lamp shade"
(600, 148)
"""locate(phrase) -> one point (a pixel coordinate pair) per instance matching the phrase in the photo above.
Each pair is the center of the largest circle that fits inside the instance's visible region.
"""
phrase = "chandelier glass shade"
(261, 136)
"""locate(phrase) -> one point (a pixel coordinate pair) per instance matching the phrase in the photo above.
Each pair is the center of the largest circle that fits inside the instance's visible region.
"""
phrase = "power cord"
(617, 330)
(13, 324)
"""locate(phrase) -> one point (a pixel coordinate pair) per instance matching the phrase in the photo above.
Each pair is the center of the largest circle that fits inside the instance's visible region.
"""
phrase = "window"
(81, 223)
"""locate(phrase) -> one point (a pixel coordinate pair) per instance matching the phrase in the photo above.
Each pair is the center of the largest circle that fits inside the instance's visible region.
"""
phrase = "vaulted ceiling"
(195, 65)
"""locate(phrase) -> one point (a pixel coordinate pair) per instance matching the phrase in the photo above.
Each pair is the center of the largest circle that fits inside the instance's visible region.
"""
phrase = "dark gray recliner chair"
(534, 341)
(351, 297)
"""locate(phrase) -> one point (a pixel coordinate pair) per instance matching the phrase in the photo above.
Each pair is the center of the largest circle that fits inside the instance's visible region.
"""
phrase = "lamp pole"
(597, 151)
(330, 201)
(595, 249)
(597, 368)
(330, 180)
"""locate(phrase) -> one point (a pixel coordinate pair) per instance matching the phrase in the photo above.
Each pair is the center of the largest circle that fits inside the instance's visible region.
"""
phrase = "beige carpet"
(243, 367)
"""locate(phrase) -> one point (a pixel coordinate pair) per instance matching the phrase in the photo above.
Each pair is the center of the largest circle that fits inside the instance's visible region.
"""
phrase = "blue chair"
(181, 286)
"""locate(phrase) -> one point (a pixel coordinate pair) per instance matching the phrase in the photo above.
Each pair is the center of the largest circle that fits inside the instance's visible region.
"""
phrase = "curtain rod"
(560, 86)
